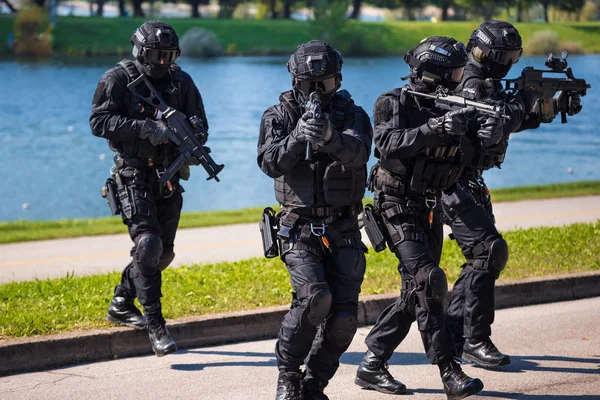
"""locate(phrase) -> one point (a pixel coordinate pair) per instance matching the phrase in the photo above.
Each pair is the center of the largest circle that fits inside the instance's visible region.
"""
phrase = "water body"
(52, 162)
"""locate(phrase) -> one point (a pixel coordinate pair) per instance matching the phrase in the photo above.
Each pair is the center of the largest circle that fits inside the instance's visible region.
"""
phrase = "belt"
(325, 214)
(122, 162)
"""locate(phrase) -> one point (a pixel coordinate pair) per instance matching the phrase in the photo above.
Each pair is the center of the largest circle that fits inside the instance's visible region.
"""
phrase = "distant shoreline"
(96, 36)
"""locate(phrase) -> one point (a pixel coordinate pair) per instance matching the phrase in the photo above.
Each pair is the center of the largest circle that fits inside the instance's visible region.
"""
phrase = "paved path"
(88, 255)
(555, 349)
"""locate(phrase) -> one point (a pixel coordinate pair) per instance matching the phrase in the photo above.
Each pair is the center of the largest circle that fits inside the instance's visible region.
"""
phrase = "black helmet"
(155, 45)
(316, 65)
(438, 60)
(497, 45)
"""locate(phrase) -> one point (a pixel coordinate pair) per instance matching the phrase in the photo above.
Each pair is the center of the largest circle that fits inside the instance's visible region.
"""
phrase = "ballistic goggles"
(504, 57)
(325, 86)
(155, 56)
(453, 75)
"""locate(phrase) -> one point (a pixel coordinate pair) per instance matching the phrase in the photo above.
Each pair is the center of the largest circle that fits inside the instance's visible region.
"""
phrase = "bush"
(33, 36)
(243, 11)
(589, 12)
(544, 42)
(198, 42)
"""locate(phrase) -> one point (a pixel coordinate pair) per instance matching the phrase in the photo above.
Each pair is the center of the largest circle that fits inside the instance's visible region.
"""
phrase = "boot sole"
(168, 350)
(471, 392)
(372, 386)
(114, 320)
(476, 361)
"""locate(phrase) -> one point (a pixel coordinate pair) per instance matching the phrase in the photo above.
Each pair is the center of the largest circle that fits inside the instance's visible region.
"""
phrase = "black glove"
(313, 130)
(491, 131)
(154, 131)
(452, 123)
(575, 104)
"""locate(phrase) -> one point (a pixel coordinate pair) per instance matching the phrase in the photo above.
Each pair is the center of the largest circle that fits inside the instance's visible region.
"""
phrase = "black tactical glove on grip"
(154, 131)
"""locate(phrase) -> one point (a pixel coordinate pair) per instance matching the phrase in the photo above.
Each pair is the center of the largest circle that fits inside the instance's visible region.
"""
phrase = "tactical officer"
(320, 197)
(418, 147)
(493, 48)
(143, 152)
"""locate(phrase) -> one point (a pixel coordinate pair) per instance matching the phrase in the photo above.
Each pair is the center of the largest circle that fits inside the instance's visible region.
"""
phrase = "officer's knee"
(149, 248)
(433, 289)
(165, 260)
(498, 256)
(318, 301)
(340, 328)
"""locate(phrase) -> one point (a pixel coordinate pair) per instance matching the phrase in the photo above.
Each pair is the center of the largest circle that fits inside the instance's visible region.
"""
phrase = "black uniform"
(415, 163)
(468, 211)
(322, 196)
(118, 117)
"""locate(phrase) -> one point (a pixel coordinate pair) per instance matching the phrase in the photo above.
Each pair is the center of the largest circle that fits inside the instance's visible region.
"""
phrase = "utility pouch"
(268, 232)
(372, 223)
(109, 192)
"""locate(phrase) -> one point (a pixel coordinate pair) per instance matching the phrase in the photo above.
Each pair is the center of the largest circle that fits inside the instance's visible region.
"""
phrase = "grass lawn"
(77, 303)
(109, 36)
(25, 231)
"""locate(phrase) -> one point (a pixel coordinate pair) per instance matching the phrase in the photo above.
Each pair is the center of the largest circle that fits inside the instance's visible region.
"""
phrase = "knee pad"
(165, 260)
(498, 256)
(148, 250)
(433, 289)
(340, 328)
(491, 255)
(316, 298)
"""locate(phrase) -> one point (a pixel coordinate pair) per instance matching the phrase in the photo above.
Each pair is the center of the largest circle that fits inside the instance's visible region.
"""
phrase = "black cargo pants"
(322, 319)
(467, 210)
(418, 247)
(154, 218)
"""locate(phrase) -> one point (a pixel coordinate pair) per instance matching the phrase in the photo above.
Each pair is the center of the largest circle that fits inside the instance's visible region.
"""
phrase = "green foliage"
(329, 21)
(33, 37)
(242, 11)
(76, 303)
(104, 36)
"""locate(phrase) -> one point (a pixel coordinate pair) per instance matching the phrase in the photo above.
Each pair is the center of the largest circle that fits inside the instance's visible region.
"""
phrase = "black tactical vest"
(321, 181)
(432, 169)
(136, 108)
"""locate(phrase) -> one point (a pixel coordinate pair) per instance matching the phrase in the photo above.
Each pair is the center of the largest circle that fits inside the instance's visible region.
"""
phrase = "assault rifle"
(446, 101)
(314, 106)
(187, 133)
(544, 89)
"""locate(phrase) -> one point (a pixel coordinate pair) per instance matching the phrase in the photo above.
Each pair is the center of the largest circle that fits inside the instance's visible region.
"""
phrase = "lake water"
(51, 161)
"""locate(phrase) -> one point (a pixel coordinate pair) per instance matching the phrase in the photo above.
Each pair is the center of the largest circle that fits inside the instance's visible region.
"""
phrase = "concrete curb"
(45, 352)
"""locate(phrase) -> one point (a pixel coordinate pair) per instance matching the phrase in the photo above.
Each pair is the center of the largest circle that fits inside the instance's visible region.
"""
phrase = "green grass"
(109, 36)
(26, 231)
(77, 303)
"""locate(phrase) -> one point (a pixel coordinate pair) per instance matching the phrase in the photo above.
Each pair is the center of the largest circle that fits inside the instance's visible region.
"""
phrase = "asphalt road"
(555, 351)
(89, 255)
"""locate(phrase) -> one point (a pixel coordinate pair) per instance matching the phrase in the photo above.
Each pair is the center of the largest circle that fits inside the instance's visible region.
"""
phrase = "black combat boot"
(373, 374)
(312, 390)
(288, 385)
(122, 311)
(484, 353)
(457, 384)
(160, 338)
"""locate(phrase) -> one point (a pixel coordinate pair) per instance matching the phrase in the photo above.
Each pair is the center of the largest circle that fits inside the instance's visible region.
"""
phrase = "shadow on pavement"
(521, 396)
(530, 363)
(200, 366)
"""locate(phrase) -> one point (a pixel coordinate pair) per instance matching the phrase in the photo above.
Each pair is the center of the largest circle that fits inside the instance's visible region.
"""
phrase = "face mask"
(498, 70)
(156, 71)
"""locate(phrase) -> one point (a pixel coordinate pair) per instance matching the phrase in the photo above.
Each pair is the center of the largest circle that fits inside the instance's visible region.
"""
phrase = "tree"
(100, 9)
(121, 8)
(356, 9)
(137, 8)
(196, 7)
(545, 5)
